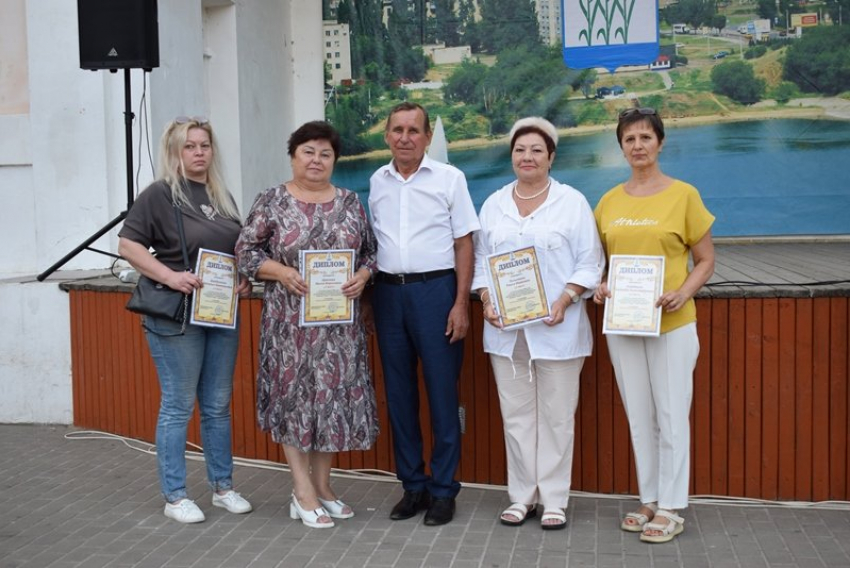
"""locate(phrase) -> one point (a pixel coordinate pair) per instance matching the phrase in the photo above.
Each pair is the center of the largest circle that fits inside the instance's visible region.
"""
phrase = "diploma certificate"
(635, 283)
(325, 271)
(214, 304)
(517, 288)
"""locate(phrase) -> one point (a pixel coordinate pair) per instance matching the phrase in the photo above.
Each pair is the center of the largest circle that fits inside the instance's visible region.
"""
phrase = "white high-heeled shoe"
(335, 509)
(309, 518)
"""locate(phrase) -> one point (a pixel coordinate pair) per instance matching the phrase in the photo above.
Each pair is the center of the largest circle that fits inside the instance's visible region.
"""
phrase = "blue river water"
(772, 177)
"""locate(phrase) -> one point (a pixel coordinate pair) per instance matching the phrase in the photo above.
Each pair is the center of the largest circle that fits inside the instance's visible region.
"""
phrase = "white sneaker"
(184, 511)
(232, 501)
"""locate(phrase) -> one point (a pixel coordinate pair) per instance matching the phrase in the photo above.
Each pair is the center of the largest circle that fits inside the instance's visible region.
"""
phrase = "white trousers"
(655, 377)
(538, 401)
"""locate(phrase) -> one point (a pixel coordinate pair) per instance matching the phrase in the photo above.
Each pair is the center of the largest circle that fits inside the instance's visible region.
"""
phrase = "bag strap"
(178, 216)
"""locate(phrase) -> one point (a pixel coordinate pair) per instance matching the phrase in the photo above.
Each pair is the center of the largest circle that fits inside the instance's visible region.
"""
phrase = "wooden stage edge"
(771, 410)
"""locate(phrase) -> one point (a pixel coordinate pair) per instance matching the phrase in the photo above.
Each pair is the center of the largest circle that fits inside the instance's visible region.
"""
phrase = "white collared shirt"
(417, 220)
(563, 232)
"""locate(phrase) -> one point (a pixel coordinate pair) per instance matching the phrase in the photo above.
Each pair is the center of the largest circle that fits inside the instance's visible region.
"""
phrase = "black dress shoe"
(410, 504)
(441, 511)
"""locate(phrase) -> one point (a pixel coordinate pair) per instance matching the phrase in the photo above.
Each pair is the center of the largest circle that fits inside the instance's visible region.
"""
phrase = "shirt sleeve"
(698, 219)
(464, 219)
(482, 249)
(590, 257)
(252, 246)
(144, 222)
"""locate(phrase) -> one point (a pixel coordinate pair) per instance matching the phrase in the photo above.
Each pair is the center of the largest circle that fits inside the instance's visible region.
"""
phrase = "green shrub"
(784, 92)
(737, 80)
(755, 52)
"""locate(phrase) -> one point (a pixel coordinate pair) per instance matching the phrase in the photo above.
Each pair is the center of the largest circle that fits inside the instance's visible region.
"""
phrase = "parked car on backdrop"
(614, 91)
(720, 55)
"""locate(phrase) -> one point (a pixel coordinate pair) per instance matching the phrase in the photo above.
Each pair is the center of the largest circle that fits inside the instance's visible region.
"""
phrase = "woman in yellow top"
(654, 214)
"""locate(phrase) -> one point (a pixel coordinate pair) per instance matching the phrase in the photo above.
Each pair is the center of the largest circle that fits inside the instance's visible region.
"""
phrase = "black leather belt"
(412, 277)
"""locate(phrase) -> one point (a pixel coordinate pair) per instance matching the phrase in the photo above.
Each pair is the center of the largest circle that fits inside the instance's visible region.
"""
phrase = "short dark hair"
(522, 131)
(635, 115)
(314, 130)
(405, 106)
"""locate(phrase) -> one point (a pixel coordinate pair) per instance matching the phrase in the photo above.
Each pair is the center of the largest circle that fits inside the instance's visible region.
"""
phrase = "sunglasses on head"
(645, 111)
(185, 119)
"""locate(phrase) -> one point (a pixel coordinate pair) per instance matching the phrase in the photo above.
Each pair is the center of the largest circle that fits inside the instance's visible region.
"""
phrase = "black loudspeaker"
(118, 34)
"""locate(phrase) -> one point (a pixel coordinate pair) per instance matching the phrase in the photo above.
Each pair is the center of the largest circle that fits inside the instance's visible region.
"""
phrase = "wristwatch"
(574, 297)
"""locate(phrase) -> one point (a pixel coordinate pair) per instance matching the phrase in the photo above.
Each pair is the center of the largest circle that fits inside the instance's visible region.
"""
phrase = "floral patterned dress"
(314, 388)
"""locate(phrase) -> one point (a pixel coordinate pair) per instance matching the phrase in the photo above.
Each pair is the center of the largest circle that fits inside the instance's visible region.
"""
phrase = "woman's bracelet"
(485, 300)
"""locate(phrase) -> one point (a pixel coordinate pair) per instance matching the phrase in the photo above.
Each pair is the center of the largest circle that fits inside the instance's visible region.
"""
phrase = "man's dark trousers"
(410, 320)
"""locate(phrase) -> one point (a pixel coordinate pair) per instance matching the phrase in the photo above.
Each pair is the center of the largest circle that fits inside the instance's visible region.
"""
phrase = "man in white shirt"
(423, 218)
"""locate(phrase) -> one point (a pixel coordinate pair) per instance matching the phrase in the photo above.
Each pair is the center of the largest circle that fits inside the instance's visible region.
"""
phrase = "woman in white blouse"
(537, 367)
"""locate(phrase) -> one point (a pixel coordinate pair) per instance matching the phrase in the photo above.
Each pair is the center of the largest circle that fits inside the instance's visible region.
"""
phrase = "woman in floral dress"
(314, 388)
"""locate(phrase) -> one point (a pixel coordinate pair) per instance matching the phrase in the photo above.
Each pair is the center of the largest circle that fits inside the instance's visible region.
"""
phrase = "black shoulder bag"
(150, 298)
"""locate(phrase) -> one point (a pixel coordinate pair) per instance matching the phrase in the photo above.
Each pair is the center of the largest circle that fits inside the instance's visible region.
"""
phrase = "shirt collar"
(426, 163)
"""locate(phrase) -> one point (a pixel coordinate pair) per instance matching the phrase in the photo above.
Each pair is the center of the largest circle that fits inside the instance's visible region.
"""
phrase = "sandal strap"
(640, 518)
(664, 527)
(554, 514)
(518, 510)
(670, 515)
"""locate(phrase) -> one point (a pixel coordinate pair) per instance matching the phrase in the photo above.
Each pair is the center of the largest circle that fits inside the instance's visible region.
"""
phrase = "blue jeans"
(198, 364)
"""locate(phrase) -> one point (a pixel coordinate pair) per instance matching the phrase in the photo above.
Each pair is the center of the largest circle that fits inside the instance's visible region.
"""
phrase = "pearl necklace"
(530, 197)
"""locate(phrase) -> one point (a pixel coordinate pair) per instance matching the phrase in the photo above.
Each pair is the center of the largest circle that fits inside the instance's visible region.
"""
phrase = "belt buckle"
(401, 279)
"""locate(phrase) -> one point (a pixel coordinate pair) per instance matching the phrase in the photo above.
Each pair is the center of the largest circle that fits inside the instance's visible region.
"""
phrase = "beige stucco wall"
(14, 75)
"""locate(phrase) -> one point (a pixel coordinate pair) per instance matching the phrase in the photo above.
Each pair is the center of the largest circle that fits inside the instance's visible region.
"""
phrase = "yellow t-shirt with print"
(666, 224)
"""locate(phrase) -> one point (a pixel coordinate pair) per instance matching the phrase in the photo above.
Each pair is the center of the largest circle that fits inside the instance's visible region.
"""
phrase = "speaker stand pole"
(128, 141)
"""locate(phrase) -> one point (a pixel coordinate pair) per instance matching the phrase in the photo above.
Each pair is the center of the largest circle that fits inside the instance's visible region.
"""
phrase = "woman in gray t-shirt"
(191, 361)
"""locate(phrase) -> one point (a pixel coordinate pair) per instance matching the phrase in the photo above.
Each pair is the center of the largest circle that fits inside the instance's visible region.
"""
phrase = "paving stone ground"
(69, 503)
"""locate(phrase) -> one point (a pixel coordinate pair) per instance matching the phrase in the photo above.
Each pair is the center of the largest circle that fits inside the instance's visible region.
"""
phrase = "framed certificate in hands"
(325, 271)
(517, 288)
(635, 283)
(214, 304)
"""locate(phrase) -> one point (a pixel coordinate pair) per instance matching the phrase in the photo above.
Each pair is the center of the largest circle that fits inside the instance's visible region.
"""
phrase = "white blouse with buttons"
(563, 232)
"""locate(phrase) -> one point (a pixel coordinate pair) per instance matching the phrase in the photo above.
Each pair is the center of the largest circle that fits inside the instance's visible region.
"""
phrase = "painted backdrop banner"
(609, 33)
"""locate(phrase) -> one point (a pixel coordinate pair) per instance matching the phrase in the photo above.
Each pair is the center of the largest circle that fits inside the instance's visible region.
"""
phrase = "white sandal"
(335, 509)
(519, 511)
(309, 518)
(559, 515)
(639, 519)
(673, 526)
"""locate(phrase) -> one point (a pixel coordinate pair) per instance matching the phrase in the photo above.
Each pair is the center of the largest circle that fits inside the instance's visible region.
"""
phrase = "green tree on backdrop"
(819, 62)
(526, 80)
(447, 22)
(470, 31)
(839, 11)
(767, 9)
(717, 21)
(507, 23)
(464, 85)
(382, 54)
(347, 114)
(737, 80)
(692, 12)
